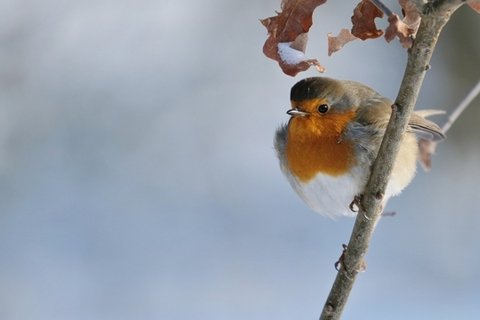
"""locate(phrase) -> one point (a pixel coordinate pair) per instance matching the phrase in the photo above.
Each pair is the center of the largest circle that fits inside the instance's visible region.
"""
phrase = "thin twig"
(428, 147)
(380, 5)
(419, 56)
(461, 107)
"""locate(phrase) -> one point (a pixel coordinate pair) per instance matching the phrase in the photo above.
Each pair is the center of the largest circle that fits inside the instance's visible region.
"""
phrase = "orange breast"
(314, 146)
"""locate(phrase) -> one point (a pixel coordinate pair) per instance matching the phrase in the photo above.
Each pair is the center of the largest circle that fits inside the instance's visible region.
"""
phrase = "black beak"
(296, 113)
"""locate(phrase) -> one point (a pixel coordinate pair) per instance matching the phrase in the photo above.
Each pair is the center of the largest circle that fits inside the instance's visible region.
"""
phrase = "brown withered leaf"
(404, 29)
(287, 35)
(426, 150)
(474, 4)
(411, 14)
(398, 28)
(337, 43)
(363, 20)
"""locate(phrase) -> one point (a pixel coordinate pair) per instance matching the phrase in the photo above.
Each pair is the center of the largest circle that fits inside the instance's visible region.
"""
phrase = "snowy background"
(138, 178)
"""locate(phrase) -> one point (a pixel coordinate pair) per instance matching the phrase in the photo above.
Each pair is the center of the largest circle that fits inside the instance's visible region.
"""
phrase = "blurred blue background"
(139, 181)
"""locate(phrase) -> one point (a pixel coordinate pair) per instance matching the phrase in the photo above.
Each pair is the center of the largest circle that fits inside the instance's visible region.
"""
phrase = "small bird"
(328, 147)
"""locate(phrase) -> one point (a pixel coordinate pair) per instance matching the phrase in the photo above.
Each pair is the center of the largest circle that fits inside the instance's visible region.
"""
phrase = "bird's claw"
(341, 265)
(356, 203)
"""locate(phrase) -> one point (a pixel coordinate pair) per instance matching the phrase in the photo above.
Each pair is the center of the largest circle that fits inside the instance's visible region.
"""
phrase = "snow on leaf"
(363, 20)
(292, 60)
(337, 43)
(287, 35)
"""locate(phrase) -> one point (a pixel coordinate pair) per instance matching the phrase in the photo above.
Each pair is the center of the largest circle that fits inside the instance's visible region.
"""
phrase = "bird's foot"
(356, 203)
(340, 264)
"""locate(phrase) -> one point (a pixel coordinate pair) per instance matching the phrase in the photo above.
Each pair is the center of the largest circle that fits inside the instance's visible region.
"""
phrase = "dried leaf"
(404, 29)
(474, 4)
(411, 15)
(337, 43)
(287, 35)
(397, 28)
(426, 150)
(363, 21)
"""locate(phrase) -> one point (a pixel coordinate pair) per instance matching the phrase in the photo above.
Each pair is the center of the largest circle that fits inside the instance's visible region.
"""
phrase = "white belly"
(330, 196)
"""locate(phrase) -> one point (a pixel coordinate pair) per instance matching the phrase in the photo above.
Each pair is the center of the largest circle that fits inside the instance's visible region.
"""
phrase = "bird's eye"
(323, 108)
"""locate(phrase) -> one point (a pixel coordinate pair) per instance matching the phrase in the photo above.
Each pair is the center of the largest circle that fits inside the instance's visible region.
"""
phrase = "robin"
(328, 147)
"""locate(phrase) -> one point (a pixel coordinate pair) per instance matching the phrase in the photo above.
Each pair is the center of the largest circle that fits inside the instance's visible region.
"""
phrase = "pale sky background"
(138, 178)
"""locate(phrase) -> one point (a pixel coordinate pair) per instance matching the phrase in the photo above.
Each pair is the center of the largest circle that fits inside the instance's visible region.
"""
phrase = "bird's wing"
(368, 127)
(423, 128)
(378, 112)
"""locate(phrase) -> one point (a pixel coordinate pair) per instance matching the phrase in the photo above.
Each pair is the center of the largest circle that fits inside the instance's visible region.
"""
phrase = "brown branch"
(435, 16)
(380, 5)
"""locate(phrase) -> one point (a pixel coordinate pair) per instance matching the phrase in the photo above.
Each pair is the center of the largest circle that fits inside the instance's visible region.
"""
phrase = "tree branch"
(428, 147)
(461, 107)
(435, 15)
